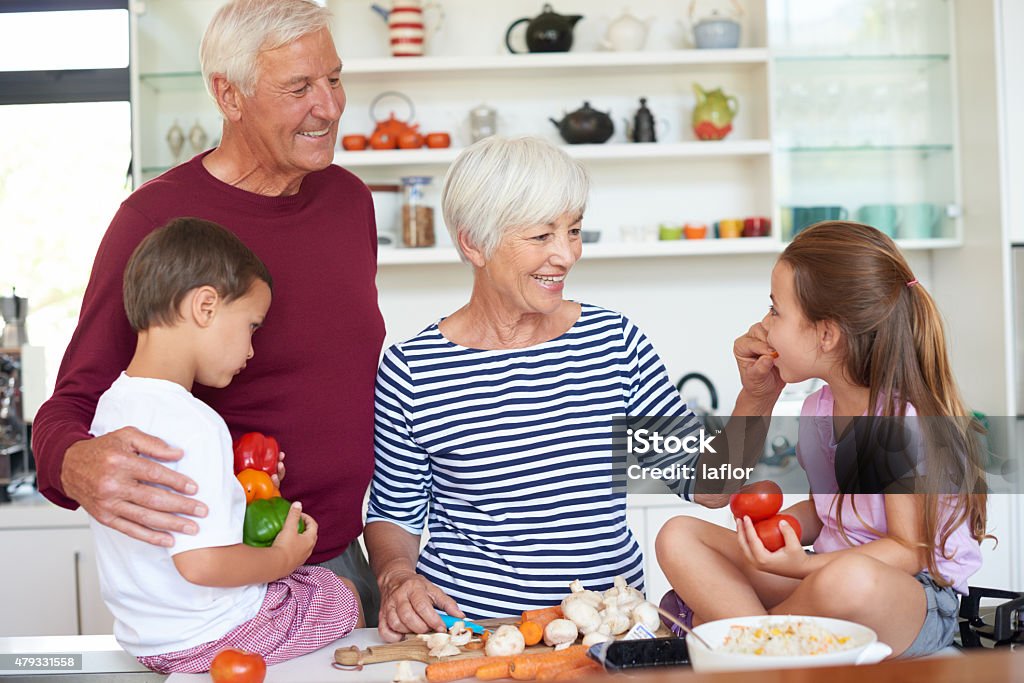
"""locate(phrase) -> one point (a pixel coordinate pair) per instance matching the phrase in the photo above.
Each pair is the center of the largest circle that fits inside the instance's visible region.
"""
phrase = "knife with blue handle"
(449, 621)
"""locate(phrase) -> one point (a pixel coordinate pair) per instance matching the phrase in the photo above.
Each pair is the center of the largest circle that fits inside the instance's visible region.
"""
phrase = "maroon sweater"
(310, 383)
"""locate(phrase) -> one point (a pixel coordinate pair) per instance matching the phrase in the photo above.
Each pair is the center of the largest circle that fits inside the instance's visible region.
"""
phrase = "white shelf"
(609, 152)
(396, 256)
(611, 250)
(554, 63)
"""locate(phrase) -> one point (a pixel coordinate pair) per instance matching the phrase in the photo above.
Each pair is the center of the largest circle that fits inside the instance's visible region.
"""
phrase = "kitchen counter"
(107, 663)
(35, 512)
(101, 659)
(983, 667)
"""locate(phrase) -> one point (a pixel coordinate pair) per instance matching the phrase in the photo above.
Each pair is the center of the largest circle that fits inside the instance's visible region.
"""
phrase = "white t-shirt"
(156, 611)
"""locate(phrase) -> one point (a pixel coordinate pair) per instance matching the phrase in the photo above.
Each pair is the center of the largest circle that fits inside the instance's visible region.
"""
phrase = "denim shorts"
(940, 620)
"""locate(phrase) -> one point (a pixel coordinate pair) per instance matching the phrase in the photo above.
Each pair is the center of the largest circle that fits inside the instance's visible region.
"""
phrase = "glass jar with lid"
(417, 214)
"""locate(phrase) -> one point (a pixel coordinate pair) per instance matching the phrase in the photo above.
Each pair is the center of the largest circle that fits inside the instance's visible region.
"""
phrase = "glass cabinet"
(863, 121)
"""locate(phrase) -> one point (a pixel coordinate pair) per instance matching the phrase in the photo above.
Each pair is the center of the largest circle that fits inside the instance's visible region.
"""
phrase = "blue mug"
(920, 221)
(804, 216)
(886, 217)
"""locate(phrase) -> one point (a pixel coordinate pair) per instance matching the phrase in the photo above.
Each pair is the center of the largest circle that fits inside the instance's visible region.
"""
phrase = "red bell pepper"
(254, 451)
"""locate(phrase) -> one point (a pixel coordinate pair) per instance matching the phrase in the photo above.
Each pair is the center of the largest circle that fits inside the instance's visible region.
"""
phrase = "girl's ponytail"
(930, 344)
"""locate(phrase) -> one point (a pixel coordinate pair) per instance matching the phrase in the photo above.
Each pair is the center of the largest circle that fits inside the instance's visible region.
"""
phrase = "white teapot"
(626, 33)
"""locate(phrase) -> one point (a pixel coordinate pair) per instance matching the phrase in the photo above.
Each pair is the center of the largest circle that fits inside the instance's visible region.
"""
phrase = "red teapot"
(391, 131)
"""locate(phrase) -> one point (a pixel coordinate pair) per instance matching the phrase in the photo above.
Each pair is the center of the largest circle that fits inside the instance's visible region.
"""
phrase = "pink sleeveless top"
(816, 452)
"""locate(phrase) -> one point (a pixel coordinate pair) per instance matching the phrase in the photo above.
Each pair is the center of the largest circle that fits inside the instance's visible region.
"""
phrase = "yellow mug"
(729, 228)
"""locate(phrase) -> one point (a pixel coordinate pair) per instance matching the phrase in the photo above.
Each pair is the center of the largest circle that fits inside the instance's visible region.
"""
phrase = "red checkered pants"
(300, 613)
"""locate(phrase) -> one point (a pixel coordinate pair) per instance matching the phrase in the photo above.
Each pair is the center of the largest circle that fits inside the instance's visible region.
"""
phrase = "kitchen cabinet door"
(864, 116)
(657, 584)
(51, 584)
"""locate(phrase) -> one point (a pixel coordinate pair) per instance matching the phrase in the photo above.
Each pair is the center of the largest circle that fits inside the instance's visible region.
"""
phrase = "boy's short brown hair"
(182, 255)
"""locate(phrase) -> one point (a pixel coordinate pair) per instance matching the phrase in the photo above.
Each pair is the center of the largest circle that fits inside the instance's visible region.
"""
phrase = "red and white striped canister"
(405, 27)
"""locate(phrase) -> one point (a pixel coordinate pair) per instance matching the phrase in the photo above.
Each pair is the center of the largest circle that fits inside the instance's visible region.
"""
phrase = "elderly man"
(273, 70)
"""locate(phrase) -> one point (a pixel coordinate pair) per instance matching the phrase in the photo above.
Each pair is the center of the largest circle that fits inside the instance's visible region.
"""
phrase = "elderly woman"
(494, 424)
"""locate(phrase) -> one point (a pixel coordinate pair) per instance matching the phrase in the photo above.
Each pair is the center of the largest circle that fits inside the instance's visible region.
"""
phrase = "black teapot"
(547, 32)
(585, 126)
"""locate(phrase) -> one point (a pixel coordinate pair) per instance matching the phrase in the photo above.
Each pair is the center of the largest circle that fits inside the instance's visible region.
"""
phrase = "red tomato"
(237, 666)
(770, 534)
(759, 500)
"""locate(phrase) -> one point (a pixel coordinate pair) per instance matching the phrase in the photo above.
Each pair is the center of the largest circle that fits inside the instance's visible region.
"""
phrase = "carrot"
(526, 667)
(552, 671)
(493, 672)
(442, 672)
(587, 669)
(543, 616)
(532, 632)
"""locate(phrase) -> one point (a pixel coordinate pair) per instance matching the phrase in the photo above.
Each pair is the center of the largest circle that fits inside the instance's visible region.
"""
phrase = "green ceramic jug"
(712, 117)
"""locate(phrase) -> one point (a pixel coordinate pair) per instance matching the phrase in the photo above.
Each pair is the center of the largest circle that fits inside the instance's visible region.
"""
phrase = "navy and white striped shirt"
(510, 451)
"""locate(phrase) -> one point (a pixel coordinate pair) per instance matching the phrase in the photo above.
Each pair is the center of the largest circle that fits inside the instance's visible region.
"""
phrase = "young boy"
(195, 295)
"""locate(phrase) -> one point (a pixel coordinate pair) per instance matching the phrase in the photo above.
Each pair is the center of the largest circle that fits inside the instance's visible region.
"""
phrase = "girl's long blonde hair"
(894, 344)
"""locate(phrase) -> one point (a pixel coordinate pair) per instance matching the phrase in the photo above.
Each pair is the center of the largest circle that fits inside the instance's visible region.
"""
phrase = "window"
(65, 150)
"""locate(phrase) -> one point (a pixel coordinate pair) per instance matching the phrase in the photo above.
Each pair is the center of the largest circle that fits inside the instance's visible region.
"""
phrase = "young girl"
(847, 309)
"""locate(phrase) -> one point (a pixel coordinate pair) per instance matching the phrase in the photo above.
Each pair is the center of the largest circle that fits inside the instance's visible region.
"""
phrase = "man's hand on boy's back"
(107, 476)
(296, 547)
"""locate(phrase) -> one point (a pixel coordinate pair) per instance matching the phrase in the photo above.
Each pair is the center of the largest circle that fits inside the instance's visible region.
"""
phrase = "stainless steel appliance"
(14, 310)
(15, 460)
(14, 456)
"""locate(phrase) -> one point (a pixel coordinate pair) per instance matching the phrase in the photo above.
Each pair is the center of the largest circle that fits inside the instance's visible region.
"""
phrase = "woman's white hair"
(242, 29)
(501, 183)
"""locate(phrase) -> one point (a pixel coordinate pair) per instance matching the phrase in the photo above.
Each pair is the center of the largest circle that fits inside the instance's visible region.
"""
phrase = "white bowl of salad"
(783, 642)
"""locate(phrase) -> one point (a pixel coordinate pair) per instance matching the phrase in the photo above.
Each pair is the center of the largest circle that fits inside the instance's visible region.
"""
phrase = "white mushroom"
(561, 633)
(404, 674)
(506, 641)
(646, 613)
(622, 596)
(578, 592)
(616, 621)
(460, 634)
(595, 638)
(583, 614)
(440, 644)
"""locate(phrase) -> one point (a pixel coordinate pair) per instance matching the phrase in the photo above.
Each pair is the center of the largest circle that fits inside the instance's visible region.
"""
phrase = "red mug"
(411, 140)
(757, 226)
(354, 142)
(438, 140)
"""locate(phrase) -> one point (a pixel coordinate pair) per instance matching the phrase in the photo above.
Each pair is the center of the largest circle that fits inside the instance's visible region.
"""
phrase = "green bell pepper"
(264, 518)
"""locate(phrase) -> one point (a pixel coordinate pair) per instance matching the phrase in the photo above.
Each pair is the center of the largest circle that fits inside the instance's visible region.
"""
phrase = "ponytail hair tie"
(912, 282)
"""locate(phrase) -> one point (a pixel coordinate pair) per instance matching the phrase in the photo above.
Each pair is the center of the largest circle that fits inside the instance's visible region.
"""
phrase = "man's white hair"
(501, 183)
(242, 29)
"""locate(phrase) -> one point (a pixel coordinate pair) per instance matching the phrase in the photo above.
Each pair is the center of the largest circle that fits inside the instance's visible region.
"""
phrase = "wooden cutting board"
(415, 649)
